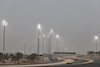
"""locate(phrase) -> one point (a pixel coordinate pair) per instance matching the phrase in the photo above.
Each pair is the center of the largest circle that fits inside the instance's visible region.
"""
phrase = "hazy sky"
(76, 21)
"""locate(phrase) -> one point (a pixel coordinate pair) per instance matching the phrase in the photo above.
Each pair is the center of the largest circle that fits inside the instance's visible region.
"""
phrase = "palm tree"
(90, 52)
(32, 57)
(18, 56)
(13, 57)
(7, 56)
(98, 53)
(1, 56)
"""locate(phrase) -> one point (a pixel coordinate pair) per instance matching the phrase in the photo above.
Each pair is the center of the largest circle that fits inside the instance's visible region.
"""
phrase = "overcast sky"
(76, 22)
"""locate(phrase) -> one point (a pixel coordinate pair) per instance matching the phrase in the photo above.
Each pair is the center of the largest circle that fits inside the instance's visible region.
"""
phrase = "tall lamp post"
(96, 38)
(57, 36)
(43, 47)
(62, 48)
(46, 44)
(5, 23)
(48, 36)
(78, 49)
(39, 28)
(51, 39)
(24, 48)
(66, 49)
(43, 43)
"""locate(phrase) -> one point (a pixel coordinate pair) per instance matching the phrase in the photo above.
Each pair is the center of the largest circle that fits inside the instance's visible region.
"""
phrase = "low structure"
(64, 53)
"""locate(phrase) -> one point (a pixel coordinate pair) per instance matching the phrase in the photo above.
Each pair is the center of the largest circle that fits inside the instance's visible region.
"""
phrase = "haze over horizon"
(75, 21)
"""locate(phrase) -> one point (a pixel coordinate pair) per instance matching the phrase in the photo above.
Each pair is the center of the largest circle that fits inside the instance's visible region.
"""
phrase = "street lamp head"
(65, 48)
(96, 37)
(43, 35)
(5, 23)
(51, 31)
(39, 26)
(57, 36)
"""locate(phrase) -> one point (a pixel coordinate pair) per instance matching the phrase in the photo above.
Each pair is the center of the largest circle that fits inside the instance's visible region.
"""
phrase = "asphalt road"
(96, 63)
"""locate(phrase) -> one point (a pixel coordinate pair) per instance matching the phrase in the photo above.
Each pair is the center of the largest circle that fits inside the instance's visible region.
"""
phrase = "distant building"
(65, 53)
